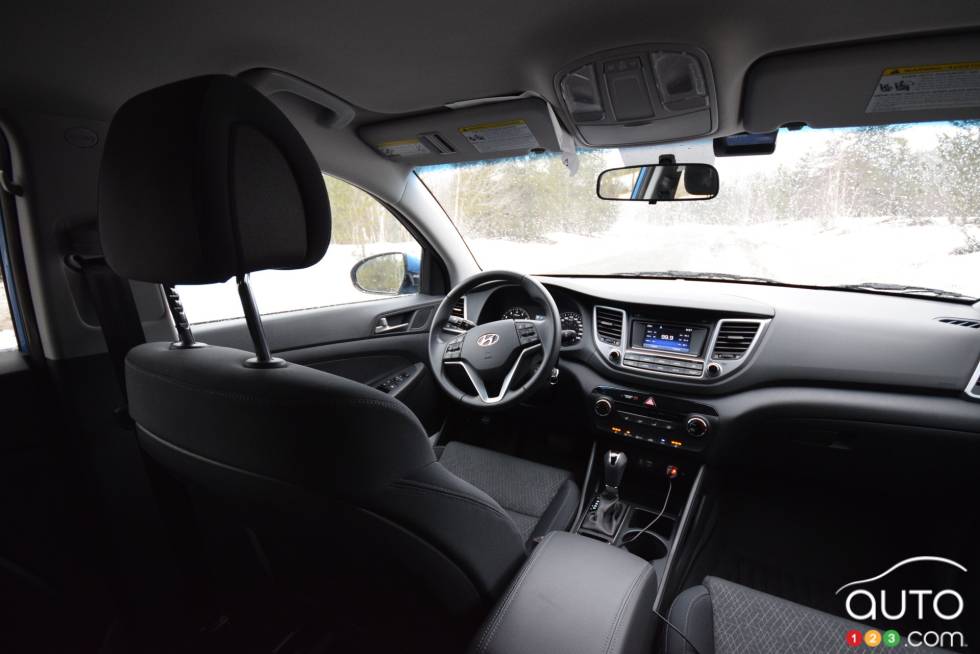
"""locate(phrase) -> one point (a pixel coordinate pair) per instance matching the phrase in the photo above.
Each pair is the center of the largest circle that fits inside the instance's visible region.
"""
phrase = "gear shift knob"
(614, 467)
(608, 512)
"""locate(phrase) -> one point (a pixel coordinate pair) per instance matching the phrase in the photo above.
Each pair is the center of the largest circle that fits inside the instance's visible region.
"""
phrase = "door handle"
(383, 327)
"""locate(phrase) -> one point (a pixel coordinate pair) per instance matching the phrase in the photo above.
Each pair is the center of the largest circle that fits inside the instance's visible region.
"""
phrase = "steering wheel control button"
(697, 426)
(603, 407)
(454, 349)
(526, 332)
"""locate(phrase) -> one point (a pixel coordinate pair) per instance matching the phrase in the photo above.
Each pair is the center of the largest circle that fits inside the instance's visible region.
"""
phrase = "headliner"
(85, 59)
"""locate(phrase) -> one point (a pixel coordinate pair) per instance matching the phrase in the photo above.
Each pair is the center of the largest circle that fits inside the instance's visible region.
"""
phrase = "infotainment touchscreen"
(683, 339)
(667, 337)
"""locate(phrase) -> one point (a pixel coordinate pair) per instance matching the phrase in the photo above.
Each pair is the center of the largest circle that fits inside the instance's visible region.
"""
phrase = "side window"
(8, 330)
(371, 255)
(8, 336)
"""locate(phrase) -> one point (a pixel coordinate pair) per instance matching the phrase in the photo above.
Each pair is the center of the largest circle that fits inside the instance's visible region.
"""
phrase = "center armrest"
(574, 594)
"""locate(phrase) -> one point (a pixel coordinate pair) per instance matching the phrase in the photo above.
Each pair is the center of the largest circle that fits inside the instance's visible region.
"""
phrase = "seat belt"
(115, 308)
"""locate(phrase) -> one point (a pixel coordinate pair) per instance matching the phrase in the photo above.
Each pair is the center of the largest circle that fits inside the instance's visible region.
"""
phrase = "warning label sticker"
(940, 86)
(402, 148)
(500, 137)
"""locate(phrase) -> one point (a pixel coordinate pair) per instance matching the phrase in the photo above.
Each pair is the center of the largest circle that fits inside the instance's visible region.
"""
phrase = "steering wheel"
(495, 354)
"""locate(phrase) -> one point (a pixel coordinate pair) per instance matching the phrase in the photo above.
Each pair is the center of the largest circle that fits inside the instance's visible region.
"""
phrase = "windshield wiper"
(902, 289)
(691, 274)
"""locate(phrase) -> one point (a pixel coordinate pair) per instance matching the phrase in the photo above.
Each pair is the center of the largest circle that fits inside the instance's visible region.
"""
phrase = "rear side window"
(8, 336)
(361, 227)
(8, 326)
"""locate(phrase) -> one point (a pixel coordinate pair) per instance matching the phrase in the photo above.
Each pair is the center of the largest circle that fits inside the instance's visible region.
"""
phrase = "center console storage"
(574, 594)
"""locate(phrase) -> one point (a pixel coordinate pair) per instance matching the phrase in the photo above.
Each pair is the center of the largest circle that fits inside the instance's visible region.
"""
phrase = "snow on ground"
(324, 284)
(846, 251)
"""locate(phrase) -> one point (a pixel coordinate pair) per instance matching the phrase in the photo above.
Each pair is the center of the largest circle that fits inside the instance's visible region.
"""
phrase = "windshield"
(893, 205)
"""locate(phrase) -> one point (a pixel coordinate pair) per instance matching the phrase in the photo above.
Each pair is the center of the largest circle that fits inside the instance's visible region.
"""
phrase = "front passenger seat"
(722, 617)
(204, 180)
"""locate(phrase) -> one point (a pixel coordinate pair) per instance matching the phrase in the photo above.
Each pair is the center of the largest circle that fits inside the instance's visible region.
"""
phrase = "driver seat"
(333, 485)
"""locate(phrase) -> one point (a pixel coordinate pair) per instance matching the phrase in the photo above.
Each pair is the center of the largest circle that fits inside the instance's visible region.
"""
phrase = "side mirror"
(659, 183)
(390, 273)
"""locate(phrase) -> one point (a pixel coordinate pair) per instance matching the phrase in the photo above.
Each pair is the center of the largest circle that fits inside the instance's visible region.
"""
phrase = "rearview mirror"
(391, 273)
(659, 183)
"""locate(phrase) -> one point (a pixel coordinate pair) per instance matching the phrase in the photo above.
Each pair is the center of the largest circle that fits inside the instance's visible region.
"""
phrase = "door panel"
(328, 325)
(344, 340)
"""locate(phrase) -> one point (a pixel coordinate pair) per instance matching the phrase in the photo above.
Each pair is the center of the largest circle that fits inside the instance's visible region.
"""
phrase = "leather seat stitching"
(687, 618)
(610, 638)
(528, 515)
(265, 400)
(425, 488)
(504, 606)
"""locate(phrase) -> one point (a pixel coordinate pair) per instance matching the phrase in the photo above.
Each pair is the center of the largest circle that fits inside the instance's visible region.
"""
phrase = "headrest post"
(184, 334)
(263, 357)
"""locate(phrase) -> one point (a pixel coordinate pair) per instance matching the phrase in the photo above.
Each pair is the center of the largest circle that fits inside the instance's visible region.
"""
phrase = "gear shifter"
(614, 464)
(607, 511)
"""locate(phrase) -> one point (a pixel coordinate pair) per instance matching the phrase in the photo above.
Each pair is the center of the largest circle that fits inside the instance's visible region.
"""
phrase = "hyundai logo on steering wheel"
(487, 340)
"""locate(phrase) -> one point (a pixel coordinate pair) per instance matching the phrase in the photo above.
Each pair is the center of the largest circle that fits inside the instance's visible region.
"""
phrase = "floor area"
(801, 539)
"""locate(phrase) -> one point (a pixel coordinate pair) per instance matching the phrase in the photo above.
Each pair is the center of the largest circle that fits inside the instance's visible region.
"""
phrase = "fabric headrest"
(205, 179)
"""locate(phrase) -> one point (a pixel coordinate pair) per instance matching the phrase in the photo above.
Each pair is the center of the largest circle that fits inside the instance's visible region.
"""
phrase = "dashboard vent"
(459, 309)
(609, 325)
(734, 339)
(973, 388)
(961, 322)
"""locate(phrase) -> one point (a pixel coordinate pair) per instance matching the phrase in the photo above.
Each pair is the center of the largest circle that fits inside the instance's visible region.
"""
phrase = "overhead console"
(650, 343)
(643, 94)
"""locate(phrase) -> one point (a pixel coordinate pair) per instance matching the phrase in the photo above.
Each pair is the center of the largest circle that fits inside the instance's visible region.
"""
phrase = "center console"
(683, 347)
(596, 589)
(642, 418)
(574, 595)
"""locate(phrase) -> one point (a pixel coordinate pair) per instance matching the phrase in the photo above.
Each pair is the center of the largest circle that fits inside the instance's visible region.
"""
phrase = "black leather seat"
(721, 617)
(203, 180)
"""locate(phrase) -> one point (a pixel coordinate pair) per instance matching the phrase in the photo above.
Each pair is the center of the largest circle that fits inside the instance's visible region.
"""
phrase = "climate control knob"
(697, 426)
(602, 407)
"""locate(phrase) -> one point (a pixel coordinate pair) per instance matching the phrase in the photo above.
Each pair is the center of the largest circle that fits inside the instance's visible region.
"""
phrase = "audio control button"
(697, 426)
(602, 407)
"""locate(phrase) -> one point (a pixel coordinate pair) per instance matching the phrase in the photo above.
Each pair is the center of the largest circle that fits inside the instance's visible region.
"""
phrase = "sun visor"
(486, 131)
(896, 81)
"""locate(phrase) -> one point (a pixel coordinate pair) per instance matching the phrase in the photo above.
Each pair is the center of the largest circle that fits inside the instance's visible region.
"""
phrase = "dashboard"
(677, 363)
